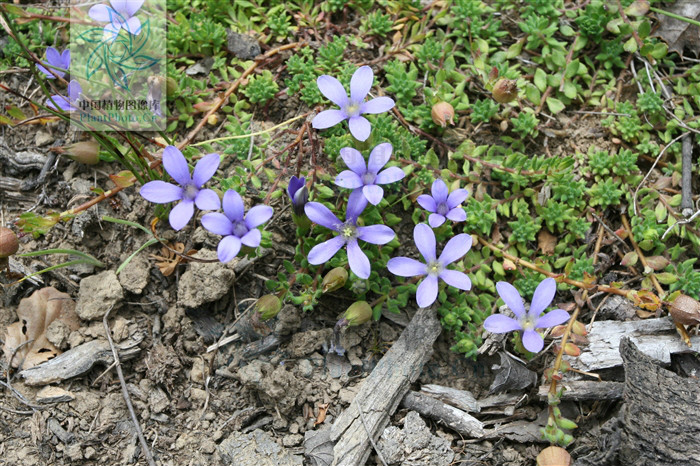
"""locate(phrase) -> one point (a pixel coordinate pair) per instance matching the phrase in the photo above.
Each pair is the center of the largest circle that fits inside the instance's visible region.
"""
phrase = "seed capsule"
(358, 313)
(553, 456)
(334, 279)
(442, 112)
(86, 152)
(685, 310)
(268, 306)
(504, 91)
(8, 242)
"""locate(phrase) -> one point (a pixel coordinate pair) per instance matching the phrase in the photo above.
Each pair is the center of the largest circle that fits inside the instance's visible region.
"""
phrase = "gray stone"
(242, 45)
(256, 448)
(43, 138)
(204, 282)
(98, 293)
(414, 445)
(134, 277)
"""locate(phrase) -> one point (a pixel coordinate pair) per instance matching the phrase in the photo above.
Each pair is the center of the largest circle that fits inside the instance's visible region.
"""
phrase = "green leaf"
(666, 278)
(555, 105)
(540, 79)
(631, 45)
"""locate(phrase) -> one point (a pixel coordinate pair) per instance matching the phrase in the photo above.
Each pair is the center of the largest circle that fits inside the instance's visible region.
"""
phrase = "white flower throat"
(353, 109)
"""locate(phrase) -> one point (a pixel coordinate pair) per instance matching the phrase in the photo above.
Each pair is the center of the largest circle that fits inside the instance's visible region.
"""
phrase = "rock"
(414, 445)
(288, 320)
(204, 282)
(305, 368)
(43, 138)
(158, 400)
(276, 387)
(74, 453)
(292, 440)
(134, 277)
(241, 45)
(54, 395)
(305, 343)
(256, 448)
(98, 293)
(58, 333)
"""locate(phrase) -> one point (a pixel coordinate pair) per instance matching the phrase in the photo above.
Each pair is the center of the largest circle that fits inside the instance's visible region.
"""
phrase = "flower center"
(239, 228)
(434, 268)
(353, 109)
(368, 178)
(348, 231)
(189, 192)
(527, 323)
(442, 209)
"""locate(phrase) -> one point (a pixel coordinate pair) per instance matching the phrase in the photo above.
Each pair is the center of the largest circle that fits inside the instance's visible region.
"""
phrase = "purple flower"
(434, 268)
(368, 177)
(69, 104)
(348, 235)
(55, 60)
(298, 193)
(350, 109)
(189, 192)
(527, 321)
(119, 16)
(441, 205)
(237, 228)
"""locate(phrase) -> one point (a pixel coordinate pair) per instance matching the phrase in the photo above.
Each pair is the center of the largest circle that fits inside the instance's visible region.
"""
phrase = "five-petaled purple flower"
(189, 192)
(298, 194)
(71, 103)
(351, 108)
(367, 178)
(527, 321)
(434, 267)
(55, 60)
(237, 228)
(348, 235)
(443, 205)
(119, 16)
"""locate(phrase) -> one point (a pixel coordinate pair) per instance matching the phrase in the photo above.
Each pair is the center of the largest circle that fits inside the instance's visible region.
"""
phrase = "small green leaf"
(555, 105)
(631, 45)
(540, 79)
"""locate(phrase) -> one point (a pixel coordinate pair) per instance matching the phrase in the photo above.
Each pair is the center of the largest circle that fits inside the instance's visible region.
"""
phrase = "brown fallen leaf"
(680, 35)
(322, 410)
(169, 260)
(546, 242)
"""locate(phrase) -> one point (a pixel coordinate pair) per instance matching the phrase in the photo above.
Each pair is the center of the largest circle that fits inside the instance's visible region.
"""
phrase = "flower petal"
(379, 156)
(101, 13)
(354, 160)
(328, 118)
(427, 291)
(425, 241)
(511, 297)
(375, 234)
(252, 238)
(427, 202)
(533, 341)
(206, 199)
(295, 184)
(406, 267)
(181, 214)
(348, 179)
(176, 165)
(65, 59)
(205, 169)
(457, 279)
(360, 128)
(258, 215)
(360, 84)
(233, 205)
(435, 220)
(61, 103)
(455, 248)
(120, 6)
(132, 6)
(373, 193)
(391, 175)
(132, 26)
(333, 90)
(53, 57)
(456, 197)
(358, 261)
(160, 192)
(439, 191)
(544, 294)
(228, 248)
(552, 318)
(74, 90)
(324, 251)
(321, 215)
(356, 204)
(217, 223)
(377, 105)
(48, 74)
(498, 323)
(457, 214)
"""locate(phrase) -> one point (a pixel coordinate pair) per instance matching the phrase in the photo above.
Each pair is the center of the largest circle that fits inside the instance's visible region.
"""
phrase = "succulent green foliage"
(261, 88)
(402, 82)
(377, 24)
(483, 110)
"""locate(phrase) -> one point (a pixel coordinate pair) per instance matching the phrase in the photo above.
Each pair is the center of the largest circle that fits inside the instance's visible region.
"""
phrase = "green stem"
(675, 16)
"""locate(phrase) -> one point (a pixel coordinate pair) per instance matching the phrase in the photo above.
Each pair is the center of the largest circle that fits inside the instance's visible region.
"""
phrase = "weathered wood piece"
(79, 360)
(661, 415)
(383, 390)
(447, 415)
(461, 399)
(656, 338)
(586, 390)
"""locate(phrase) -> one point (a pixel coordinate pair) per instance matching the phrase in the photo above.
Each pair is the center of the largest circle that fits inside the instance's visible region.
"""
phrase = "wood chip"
(54, 395)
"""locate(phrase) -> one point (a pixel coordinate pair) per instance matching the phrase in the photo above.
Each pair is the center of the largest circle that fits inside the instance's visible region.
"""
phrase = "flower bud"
(358, 313)
(334, 279)
(268, 306)
(504, 91)
(685, 310)
(8, 242)
(442, 112)
(298, 194)
(86, 152)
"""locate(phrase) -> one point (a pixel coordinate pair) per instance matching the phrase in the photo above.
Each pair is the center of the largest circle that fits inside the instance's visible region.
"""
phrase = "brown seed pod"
(685, 310)
(442, 112)
(9, 244)
(553, 456)
(86, 152)
(505, 90)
